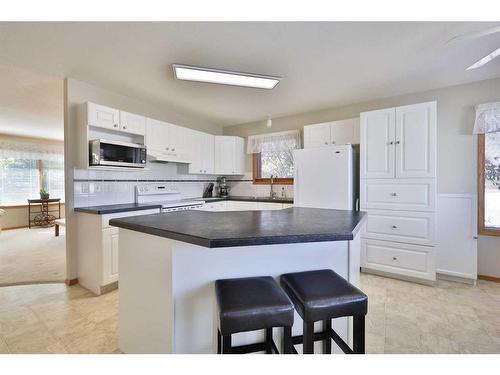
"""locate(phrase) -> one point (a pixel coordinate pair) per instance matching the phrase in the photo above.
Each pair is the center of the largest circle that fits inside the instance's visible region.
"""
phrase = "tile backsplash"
(94, 187)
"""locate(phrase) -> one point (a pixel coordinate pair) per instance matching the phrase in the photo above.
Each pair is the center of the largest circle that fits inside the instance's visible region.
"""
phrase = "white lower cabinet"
(401, 226)
(413, 261)
(243, 206)
(98, 249)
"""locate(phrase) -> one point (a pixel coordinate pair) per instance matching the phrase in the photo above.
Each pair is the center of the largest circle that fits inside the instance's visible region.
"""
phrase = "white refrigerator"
(325, 178)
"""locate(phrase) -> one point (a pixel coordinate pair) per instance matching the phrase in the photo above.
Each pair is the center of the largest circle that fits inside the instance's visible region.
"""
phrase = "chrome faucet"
(272, 194)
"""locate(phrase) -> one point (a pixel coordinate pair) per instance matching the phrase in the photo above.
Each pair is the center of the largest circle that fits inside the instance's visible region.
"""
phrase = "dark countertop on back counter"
(116, 208)
(248, 228)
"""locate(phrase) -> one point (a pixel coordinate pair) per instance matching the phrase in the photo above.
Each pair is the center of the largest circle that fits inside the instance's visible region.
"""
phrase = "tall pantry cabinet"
(398, 190)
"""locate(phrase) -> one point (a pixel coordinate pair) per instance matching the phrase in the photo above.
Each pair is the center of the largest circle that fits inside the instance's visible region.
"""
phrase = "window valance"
(281, 141)
(30, 150)
(487, 118)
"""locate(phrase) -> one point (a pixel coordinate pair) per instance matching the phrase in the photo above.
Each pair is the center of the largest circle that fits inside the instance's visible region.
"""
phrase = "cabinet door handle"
(326, 143)
(394, 226)
(394, 258)
(124, 127)
(397, 142)
(394, 194)
(390, 143)
(173, 149)
(115, 125)
(167, 148)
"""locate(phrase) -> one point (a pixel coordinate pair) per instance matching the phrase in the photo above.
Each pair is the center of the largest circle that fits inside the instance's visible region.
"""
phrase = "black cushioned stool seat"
(325, 295)
(249, 304)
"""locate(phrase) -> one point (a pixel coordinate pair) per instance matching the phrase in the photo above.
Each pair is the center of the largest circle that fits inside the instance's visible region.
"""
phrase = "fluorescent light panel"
(485, 60)
(224, 77)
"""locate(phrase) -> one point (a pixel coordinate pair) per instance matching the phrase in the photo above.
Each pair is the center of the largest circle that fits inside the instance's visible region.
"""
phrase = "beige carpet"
(32, 256)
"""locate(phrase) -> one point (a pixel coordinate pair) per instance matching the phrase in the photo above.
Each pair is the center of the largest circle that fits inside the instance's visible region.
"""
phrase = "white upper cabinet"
(332, 133)
(317, 135)
(132, 123)
(377, 144)
(344, 131)
(102, 116)
(399, 142)
(202, 145)
(416, 140)
(229, 155)
(168, 142)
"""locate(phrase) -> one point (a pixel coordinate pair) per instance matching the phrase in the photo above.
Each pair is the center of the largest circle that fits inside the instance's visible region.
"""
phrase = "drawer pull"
(394, 226)
(394, 194)
(394, 258)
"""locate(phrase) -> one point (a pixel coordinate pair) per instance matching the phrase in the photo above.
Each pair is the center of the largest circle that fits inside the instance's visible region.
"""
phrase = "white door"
(156, 135)
(224, 155)
(317, 135)
(207, 153)
(132, 123)
(456, 239)
(102, 116)
(416, 140)
(377, 133)
(323, 178)
(345, 131)
(239, 156)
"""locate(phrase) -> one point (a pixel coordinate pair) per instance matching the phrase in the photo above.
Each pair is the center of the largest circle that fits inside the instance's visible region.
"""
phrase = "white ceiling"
(322, 64)
(31, 104)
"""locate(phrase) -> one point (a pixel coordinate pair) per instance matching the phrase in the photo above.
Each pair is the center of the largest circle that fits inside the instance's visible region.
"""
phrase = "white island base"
(166, 292)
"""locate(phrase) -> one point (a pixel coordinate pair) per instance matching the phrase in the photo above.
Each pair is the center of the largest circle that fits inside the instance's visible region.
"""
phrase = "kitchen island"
(168, 264)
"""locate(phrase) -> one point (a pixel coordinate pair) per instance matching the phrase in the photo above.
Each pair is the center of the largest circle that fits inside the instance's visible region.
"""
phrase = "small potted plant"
(44, 194)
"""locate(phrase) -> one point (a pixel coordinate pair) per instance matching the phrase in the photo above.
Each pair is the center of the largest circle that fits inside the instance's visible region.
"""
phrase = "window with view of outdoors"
(21, 179)
(274, 159)
(491, 206)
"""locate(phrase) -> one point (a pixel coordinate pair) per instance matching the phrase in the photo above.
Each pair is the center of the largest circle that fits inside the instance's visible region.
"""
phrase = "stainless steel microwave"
(116, 154)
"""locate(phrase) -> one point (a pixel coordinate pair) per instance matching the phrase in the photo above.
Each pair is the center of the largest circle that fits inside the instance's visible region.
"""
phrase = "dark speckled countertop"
(248, 228)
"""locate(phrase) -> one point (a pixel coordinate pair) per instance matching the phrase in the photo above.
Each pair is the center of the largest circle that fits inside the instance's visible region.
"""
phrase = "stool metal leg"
(287, 340)
(359, 334)
(269, 341)
(219, 343)
(327, 342)
(308, 335)
(226, 344)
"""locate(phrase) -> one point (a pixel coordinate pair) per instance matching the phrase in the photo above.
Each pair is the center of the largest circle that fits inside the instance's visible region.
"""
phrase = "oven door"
(117, 154)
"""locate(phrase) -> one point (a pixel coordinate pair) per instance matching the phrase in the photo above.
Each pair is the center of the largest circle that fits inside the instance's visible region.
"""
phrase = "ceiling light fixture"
(224, 77)
(485, 60)
(269, 123)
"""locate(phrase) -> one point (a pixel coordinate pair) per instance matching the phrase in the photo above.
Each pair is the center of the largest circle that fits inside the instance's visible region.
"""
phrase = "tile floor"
(402, 318)
(32, 255)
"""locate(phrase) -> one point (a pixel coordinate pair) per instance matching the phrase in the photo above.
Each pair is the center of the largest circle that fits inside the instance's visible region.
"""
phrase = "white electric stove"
(166, 195)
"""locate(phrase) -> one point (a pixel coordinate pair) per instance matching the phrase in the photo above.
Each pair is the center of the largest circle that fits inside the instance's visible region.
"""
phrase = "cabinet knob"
(205, 171)
(394, 258)
(115, 125)
(390, 143)
(167, 148)
(173, 149)
(201, 170)
(326, 143)
(394, 226)
(394, 194)
(124, 127)
(397, 142)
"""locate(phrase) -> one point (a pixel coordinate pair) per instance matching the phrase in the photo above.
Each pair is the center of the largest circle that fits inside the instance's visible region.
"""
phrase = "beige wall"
(75, 94)
(457, 147)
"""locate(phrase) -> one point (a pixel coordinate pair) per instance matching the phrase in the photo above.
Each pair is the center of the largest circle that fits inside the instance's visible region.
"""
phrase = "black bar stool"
(324, 295)
(250, 304)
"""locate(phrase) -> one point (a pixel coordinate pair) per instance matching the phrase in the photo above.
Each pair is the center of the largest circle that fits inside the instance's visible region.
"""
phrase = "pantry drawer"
(398, 194)
(399, 259)
(400, 226)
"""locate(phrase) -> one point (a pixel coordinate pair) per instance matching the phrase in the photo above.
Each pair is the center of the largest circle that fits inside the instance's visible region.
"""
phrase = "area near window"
(489, 183)
(25, 167)
(273, 156)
